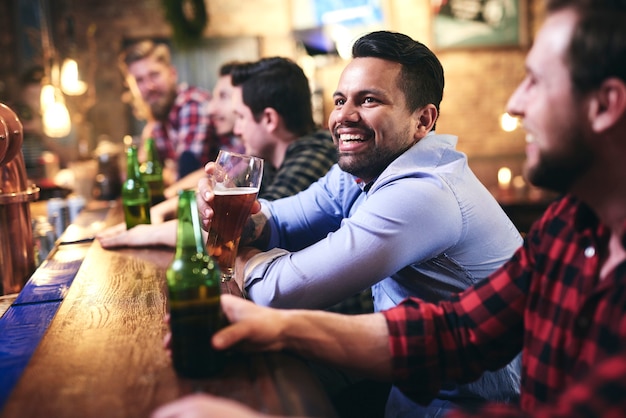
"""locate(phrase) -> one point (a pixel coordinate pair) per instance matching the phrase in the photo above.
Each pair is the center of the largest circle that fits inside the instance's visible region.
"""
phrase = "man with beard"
(561, 299)
(222, 118)
(178, 117)
(401, 213)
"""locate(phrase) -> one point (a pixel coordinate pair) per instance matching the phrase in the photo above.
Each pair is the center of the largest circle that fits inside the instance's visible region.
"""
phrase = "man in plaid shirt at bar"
(560, 300)
(178, 113)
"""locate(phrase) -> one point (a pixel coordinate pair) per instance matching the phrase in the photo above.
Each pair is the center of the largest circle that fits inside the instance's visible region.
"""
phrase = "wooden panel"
(6, 301)
(102, 356)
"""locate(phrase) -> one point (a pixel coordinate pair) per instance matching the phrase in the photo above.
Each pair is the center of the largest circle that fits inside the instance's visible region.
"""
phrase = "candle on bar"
(504, 178)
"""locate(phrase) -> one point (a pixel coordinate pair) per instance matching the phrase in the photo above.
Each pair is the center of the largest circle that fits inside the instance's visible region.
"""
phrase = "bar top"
(102, 353)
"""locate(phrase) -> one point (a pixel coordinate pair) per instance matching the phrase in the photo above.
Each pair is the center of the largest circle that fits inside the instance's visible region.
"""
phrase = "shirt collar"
(365, 187)
(585, 218)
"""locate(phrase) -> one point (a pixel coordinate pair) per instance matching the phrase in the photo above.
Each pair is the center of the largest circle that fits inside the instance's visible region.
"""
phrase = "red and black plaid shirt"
(548, 302)
(188, 126)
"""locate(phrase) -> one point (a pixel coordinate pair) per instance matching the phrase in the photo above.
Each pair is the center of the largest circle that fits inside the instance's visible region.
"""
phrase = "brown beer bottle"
(135, 192)
(152, 172)
(193, 281)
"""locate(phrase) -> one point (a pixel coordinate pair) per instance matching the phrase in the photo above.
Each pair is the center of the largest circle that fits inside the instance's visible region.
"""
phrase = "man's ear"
(425, 118)
(271, 119)
(608, 104)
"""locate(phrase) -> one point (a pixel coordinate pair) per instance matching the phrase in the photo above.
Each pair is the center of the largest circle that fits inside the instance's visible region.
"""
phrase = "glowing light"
(70, 83)
(504, 177)
(519, 182)
(56, 120)
(47, 96)
(508, 123)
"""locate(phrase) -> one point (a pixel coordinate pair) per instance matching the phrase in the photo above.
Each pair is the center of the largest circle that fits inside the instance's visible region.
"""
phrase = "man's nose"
(515, 104)
(347, 113)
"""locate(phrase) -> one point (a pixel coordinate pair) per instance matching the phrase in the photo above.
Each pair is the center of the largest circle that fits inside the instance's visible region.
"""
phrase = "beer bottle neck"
(132, 163)
(189, 233)
(153, 163)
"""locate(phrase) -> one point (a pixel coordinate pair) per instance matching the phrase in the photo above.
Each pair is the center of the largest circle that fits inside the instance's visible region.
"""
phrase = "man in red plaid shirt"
(560, 300)
(178, 114)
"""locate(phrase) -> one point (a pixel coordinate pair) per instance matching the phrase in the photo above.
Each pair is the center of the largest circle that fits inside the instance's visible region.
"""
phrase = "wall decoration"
(479, 23)
(188, 19)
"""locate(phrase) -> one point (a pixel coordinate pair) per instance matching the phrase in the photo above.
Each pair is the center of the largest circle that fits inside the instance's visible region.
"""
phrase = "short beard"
(367, 167)
(558, 173)
(161, 108)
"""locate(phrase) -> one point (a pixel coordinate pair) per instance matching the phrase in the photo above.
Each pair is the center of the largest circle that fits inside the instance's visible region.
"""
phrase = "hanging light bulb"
(70, 82)
(47, 96)
(55, 116)
(56, 121)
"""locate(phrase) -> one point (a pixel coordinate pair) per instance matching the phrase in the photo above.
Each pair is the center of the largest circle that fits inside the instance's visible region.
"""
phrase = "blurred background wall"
(479, 76)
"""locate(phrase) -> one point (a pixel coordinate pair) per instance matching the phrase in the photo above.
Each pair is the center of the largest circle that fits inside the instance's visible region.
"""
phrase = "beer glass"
(236, 183)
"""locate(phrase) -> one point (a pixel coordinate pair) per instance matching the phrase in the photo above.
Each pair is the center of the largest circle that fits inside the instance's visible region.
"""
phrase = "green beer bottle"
(152, 172)
(135, 192)
(193, 281)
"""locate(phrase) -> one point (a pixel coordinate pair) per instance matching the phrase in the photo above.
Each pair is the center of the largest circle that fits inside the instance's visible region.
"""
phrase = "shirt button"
(590, 252)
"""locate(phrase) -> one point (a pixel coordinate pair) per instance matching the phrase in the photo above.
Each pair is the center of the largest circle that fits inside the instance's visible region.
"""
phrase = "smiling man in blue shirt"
(401, 213)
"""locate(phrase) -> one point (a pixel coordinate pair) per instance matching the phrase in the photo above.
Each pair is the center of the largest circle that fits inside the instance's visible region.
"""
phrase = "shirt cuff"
(266, 210)
(257, 266)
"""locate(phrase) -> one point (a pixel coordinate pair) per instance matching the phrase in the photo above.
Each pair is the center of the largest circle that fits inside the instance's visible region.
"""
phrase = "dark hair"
(143, 49)
(228, 67)
(421, 78)
(278, 83)
(597, 49)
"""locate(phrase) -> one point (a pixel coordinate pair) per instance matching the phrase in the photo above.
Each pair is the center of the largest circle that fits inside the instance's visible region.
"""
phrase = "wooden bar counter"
(102, 356)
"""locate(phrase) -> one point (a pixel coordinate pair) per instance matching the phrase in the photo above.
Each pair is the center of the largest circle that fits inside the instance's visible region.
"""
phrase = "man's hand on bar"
(140, 236)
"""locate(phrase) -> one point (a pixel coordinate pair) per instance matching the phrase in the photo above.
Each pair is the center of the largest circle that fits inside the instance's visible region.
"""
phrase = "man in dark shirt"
(273, 117)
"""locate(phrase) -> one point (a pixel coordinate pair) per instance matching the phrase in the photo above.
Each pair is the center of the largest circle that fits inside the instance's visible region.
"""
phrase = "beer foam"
(223, 191)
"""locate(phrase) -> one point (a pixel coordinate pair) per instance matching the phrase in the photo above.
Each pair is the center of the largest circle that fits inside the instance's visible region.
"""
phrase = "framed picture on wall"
(479, 23)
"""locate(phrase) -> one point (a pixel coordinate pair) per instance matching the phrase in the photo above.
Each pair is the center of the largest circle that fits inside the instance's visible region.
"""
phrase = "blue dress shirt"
(426, 227)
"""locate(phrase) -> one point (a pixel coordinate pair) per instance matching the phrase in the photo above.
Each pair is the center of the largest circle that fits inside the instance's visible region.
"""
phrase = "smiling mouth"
(347, 138)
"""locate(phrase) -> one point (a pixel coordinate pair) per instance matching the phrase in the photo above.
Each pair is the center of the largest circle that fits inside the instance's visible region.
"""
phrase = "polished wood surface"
(102, 354)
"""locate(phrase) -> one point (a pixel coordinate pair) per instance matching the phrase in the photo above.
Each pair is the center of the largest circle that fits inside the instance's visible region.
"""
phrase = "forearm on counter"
(355, 342)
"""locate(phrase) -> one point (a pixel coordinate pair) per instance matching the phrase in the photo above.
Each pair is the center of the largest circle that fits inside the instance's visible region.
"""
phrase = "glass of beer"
(236, 183)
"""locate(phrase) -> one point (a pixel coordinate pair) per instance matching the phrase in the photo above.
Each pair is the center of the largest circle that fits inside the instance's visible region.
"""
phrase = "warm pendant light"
(56, 121)
(56, 117)
(70, 82)
(47, 96)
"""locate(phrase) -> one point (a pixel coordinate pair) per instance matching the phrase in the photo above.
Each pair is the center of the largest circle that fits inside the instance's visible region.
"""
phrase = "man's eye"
(339, 102)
